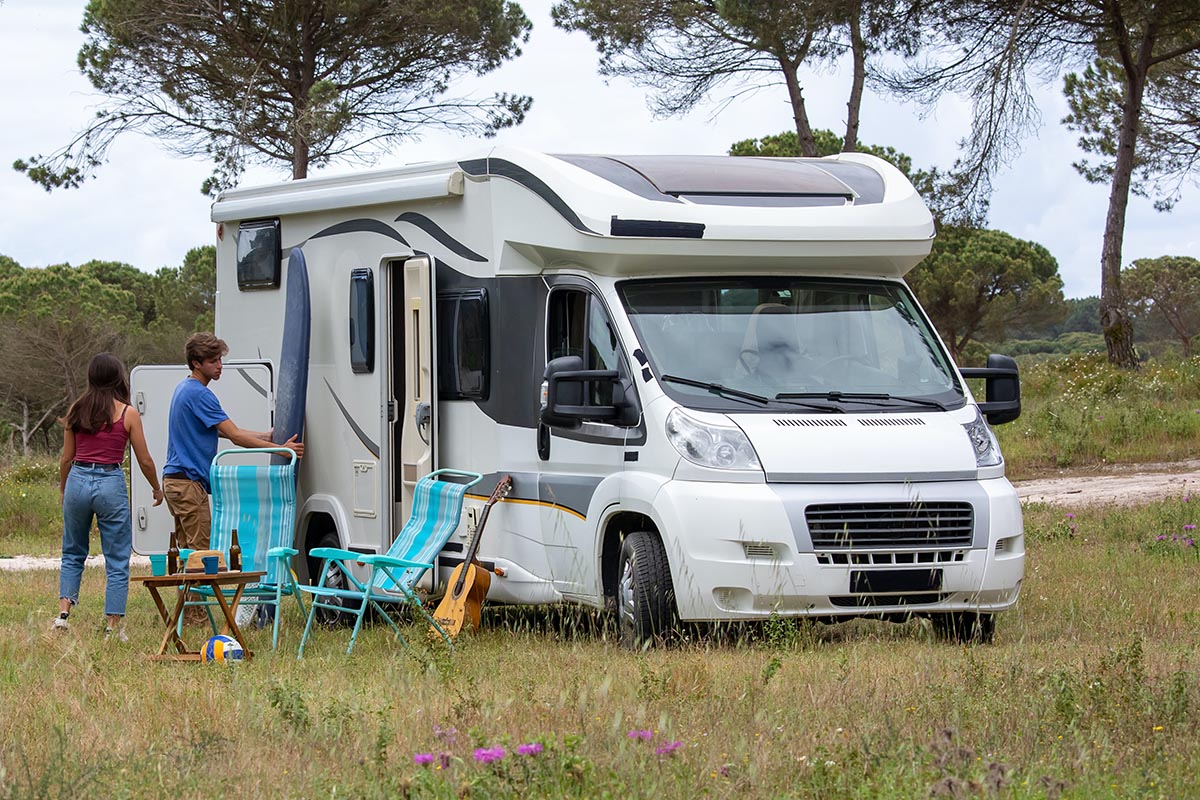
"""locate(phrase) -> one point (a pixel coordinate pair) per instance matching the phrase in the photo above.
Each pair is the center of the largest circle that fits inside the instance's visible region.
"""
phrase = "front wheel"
(645, 596)
(332, 578)
(965, 627)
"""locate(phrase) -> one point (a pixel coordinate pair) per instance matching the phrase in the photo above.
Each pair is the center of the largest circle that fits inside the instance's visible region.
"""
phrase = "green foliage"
(1081, 411)
(1168, 143)
(293, 81)
(1168, 288)
(975, 284)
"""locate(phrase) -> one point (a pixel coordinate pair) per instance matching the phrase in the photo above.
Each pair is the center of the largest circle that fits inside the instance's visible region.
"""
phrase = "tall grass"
(1081, 412)
(1090, 690)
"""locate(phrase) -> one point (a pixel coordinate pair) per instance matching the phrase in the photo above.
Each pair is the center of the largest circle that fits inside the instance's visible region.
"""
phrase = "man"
(196, 421)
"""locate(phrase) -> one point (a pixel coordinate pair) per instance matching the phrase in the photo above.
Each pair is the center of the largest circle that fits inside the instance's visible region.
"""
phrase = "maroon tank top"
(105, 446)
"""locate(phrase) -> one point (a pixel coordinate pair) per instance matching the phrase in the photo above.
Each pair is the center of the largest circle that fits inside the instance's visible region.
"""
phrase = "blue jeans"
(99, 493)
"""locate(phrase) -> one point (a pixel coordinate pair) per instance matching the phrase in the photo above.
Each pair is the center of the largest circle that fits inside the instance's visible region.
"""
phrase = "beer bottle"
(173, 556)
(235, 554)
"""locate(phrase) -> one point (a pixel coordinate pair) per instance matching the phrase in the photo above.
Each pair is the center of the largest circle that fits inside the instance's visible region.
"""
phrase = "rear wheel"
(965, 627)
(645, 596)
(332, 578)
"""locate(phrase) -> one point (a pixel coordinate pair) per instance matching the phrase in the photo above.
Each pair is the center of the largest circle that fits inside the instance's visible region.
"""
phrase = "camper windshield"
(804, 343)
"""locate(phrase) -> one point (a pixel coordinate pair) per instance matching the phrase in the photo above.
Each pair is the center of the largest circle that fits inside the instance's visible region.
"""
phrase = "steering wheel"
(741, 359)
(824, 367)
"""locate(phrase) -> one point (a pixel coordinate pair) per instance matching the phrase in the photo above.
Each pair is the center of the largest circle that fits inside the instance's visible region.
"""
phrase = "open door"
(413, 380)
(247, 393)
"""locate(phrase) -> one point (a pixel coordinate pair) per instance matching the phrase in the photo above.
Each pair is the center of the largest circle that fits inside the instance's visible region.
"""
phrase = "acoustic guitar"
(469, 582)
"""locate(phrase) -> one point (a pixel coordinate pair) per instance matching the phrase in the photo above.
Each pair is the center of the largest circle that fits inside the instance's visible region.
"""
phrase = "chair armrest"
(282, 552)
(392, 561)
(335, 553)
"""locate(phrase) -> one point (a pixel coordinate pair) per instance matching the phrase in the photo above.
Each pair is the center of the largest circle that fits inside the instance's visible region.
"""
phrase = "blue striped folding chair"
(259, 500)
(437, 507)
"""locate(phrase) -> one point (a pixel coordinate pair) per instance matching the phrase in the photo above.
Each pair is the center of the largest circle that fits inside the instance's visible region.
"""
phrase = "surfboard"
(291, 387)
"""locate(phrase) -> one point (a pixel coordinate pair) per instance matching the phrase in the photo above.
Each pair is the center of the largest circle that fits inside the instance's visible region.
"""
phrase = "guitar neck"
(502, 488)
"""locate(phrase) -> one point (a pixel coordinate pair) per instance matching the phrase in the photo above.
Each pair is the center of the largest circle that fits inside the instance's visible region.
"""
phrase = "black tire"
(332, 578)
(645, 597)
(965, 627)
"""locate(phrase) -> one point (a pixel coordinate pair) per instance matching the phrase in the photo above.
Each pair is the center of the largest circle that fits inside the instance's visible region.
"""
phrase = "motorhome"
(716, 396)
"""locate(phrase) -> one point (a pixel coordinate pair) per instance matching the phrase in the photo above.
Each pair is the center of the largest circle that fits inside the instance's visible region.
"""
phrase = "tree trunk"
(804, 134)
(1114, 316)
(858, 50)
(299, 157)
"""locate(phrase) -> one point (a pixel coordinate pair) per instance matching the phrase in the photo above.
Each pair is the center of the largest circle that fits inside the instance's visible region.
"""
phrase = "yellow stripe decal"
(484, 497)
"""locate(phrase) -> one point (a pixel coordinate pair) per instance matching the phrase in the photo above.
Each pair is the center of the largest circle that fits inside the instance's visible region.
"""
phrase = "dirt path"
(1139, 483)
(1126, 484)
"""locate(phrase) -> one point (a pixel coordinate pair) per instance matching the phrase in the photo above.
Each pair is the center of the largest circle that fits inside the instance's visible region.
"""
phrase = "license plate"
(894, 581)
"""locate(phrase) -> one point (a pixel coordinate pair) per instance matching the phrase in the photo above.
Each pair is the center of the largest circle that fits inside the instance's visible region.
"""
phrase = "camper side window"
(578, 325)
(259, 257)
(362, 321)
(464, 345)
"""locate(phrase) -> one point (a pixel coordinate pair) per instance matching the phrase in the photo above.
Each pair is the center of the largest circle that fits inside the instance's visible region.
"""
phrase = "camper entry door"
(247, 393)
(413, 392)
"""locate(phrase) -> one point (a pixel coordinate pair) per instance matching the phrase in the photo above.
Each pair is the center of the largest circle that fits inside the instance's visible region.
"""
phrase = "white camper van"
(716, 396)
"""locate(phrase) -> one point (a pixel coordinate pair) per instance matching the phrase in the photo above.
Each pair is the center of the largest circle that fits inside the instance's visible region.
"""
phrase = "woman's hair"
(107, 383)
(202, 347)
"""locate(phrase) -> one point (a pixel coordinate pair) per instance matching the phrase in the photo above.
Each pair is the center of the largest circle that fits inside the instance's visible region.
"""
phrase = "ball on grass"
(222, 650)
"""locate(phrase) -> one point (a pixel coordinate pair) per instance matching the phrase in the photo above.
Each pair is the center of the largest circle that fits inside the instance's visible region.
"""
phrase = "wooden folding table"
(186, 582)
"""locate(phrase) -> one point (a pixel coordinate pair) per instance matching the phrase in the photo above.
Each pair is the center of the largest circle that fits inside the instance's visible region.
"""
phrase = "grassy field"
(1081, 413)
(1090, 690)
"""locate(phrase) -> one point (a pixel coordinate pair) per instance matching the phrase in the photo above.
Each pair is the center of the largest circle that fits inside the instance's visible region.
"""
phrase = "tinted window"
(464, 345)
(362, 321)
(258, 254)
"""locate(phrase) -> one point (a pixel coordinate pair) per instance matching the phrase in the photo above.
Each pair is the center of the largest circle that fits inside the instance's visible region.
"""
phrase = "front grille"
(890, 525)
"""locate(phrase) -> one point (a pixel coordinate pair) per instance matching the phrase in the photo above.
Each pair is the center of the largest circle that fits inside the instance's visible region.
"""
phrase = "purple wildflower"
(1160, 537)
(444, 760)
(667, 748)
(1070, 515)
(643, 735)
(723, 771)
(445, 734)
(486, 755)
(531, 749)
(422, 759)
(1189, 527)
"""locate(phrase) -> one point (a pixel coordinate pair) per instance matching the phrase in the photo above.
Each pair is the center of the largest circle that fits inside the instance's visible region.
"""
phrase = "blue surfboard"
(291, 389)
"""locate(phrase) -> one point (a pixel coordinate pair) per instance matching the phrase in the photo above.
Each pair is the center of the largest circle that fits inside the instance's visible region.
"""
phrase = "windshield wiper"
(863, 397)
(718, 389)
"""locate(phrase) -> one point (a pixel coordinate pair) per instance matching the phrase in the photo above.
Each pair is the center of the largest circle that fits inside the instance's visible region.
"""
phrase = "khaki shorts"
(189, 505)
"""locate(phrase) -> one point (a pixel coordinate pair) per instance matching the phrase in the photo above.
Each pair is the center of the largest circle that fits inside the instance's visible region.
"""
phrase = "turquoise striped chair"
(259, 500)
(437, 507)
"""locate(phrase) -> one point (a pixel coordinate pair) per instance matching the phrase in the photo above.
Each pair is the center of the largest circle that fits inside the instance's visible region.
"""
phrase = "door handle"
(423, 416)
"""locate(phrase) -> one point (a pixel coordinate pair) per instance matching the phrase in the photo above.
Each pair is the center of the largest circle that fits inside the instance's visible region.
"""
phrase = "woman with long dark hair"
(97, 428)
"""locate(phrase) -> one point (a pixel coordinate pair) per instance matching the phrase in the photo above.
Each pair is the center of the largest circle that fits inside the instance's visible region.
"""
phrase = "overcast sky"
(145, 207)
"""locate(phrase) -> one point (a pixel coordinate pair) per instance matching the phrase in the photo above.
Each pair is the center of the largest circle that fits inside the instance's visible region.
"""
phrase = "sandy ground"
(1127, 484)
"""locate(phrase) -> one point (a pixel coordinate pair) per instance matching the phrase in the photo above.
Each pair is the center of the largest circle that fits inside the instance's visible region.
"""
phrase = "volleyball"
(222, 649)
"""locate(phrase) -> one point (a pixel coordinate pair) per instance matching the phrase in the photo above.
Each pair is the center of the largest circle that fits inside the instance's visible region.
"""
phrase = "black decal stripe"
(507, 169)
(440, 235)
(253, 383)
(363, 225)
(359, 432)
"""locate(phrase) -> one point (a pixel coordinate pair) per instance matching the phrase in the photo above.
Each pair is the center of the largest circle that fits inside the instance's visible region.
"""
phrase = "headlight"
(718, 446)
(983, 441)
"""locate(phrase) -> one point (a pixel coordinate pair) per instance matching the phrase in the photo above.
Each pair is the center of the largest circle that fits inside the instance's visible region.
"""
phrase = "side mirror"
(562, 393)
(1003, 390)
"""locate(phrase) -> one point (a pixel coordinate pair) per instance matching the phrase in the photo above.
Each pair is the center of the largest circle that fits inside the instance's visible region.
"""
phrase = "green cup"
(184, 555)
(158, 564)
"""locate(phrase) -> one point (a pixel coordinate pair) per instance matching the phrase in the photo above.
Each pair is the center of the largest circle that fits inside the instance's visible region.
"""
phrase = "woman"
(91, 483)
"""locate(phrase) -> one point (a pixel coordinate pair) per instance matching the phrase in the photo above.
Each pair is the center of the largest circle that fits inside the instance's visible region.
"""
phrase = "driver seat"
(771, 346)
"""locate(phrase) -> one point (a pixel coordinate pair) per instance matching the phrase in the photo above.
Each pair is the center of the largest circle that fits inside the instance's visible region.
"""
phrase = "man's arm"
(251, 439)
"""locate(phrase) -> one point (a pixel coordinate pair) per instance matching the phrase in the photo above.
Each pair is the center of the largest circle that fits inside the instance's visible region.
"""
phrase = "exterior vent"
(843, 526)
(758, 551)
(891, 422)
(790, 422)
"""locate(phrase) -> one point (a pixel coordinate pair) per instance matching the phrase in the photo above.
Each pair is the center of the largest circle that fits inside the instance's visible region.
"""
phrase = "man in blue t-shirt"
(196, 421)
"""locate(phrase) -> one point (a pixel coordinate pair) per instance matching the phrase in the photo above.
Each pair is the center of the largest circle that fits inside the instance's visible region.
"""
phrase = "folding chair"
(437, 507)
(259, 500)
